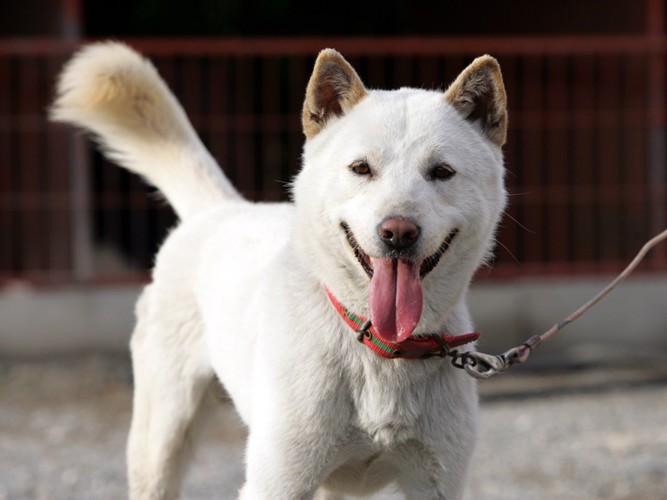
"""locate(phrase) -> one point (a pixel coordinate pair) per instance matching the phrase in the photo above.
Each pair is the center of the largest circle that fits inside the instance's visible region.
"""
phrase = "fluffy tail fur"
(112, 91)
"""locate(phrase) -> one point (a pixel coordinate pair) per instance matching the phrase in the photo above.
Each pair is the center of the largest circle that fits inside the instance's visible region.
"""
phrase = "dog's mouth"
(363, 259)
(427, 265)
(395, 296)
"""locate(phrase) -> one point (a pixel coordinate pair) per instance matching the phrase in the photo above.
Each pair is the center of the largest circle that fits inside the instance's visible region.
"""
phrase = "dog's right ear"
(334, 88)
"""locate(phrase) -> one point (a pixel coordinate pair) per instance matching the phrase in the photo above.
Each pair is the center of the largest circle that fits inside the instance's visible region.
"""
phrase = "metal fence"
(585, 154)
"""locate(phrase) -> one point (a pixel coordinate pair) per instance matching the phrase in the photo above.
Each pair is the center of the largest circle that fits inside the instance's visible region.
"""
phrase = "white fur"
(238, 290)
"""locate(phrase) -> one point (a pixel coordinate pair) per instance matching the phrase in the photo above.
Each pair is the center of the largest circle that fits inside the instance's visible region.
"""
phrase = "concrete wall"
(66, 320)
(631, 322)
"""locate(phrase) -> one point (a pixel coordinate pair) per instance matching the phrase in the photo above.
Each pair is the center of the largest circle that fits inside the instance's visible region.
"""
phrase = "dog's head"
(400, 191)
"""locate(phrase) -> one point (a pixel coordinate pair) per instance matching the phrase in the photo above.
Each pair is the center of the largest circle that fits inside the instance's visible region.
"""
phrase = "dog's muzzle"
(404, 235)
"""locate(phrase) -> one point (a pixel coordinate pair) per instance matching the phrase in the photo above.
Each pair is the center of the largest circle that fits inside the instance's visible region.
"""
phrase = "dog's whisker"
(506, 214)
(504, 247)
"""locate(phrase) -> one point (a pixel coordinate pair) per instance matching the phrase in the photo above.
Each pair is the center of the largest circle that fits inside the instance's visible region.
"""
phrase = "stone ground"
(596, 433)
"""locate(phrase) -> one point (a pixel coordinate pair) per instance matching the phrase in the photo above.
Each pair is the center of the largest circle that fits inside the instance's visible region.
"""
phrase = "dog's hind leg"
(171, 377)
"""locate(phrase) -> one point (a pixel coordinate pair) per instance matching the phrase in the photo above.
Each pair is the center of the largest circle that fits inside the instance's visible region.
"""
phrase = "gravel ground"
(585, 434)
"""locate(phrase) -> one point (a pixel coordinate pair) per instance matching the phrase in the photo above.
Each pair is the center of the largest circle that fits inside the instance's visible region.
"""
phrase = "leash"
(483, 366)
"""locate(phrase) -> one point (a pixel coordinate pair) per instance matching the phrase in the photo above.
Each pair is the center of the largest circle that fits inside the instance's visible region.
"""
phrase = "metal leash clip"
(483, 366)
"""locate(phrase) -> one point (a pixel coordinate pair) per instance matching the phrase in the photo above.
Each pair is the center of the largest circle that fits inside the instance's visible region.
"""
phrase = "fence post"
(81, 238)
(656, 122)
(82, 243)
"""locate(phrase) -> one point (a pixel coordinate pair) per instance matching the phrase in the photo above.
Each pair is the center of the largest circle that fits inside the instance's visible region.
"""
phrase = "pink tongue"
(396, 298)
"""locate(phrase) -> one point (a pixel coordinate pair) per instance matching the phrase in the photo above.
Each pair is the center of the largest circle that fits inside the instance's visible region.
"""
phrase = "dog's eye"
(361, 167)
(441, 172)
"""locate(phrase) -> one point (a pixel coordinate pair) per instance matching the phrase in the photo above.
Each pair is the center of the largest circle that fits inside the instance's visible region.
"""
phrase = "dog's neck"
(424, 346)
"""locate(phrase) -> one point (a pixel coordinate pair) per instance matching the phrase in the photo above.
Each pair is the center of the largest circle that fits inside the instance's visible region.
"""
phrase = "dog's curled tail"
(114, 92)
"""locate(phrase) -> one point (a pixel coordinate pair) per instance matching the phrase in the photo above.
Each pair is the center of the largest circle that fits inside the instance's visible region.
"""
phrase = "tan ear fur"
(479, 95)
(334, 88)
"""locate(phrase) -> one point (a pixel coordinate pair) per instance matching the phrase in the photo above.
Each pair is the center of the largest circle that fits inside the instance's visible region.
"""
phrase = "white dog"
(394, 209)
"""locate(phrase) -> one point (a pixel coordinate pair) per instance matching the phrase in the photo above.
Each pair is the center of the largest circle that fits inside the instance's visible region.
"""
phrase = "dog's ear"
(479, 95)
(334, 88)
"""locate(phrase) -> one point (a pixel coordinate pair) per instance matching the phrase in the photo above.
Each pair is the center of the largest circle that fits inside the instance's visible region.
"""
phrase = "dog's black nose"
(398, 233)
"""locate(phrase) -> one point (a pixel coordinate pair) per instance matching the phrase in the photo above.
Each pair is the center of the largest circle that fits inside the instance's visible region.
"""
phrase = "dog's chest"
(390, 403)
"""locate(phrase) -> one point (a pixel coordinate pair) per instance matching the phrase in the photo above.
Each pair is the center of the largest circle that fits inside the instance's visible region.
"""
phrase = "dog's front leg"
(288, 463)
(296, 440)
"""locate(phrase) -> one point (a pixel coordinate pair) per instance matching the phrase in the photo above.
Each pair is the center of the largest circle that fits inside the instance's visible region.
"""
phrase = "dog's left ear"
(334, 88)
(479, 95)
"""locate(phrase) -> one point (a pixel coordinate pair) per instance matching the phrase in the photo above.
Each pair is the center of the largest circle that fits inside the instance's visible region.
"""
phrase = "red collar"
(436, 344)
